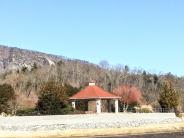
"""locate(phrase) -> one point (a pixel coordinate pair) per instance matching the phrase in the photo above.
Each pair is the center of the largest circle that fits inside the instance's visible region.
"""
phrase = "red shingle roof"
(93, 92)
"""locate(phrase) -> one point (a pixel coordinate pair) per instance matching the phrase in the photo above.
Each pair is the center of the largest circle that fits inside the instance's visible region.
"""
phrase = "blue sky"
(146, 34)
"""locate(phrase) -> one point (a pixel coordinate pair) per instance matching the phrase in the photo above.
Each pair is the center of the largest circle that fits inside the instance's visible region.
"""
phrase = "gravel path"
(84, 121)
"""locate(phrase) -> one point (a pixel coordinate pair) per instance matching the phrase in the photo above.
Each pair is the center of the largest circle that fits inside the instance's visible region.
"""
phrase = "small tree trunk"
(125, 107)
(177, 111)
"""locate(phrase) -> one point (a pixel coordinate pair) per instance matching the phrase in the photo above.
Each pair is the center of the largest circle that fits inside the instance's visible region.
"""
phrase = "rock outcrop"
(12, 58)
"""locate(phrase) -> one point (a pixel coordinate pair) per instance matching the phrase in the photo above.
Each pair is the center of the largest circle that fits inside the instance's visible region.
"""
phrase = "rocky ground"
(84, 121)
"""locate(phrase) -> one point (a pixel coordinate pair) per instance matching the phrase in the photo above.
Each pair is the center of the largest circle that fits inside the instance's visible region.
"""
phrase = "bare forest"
(26, 80)
(76, 73)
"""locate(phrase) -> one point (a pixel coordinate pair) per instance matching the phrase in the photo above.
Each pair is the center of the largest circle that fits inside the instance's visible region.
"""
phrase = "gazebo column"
(73, 104)
(116, 106)
(98, 105)
(109, 106)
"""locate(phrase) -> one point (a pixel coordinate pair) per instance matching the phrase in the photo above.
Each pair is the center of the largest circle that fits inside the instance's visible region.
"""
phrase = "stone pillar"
(98, 106)
(73, 104)
(116, 106)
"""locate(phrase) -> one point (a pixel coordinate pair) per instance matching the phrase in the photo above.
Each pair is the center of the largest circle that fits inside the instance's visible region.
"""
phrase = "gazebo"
(97, 99)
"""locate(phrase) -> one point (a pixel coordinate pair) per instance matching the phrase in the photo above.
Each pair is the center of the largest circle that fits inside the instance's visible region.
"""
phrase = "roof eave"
(88, 98)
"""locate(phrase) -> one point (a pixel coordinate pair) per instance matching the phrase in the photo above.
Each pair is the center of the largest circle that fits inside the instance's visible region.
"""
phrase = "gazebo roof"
(93, 92)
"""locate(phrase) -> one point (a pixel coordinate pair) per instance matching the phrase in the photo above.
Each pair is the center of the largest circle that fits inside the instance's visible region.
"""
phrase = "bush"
(26, 112)
(145, 110)
(53, 99)
(67, 110)
(7, 98)
(78, 112)
(72, 90)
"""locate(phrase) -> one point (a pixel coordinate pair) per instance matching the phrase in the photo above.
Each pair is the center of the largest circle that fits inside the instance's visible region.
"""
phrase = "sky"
(143, 34)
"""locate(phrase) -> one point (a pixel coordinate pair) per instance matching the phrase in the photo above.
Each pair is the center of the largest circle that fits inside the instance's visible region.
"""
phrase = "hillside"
(26, 70)
(12, 58)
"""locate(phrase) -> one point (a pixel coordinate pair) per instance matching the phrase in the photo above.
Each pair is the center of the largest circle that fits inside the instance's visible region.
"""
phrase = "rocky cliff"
(12, 58)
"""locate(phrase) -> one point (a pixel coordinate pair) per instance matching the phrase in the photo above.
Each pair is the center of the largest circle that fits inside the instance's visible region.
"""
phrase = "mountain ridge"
(13, 58)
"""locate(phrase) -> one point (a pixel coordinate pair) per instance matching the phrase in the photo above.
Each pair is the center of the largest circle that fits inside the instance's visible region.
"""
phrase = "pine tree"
(169, 97)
